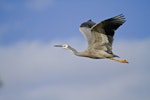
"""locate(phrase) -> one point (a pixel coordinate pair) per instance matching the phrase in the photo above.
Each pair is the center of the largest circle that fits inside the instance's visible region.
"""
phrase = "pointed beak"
(57, 45)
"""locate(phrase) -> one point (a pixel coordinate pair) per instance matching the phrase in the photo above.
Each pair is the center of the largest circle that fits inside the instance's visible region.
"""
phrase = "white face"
(65, 46)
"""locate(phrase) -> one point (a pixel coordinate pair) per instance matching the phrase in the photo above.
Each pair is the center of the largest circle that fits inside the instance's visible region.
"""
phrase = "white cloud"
(38, 71)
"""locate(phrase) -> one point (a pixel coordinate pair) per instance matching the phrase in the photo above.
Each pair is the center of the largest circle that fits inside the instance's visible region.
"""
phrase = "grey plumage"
(99, 38)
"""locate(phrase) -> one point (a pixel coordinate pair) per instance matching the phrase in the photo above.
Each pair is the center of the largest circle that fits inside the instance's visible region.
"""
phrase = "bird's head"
(65, 46)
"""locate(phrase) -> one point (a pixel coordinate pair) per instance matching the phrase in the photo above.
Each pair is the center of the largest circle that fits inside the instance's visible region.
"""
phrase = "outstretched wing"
(85, 29)
(103, 32)
(86, 32)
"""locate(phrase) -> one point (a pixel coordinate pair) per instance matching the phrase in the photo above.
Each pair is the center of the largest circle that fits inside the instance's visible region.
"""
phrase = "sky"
(32, 69)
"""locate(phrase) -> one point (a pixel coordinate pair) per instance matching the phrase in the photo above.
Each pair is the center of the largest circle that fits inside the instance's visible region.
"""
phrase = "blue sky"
(32, 69)
(29, 20)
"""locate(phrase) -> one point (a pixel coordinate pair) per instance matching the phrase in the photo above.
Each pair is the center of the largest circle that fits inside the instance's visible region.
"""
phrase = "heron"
(99, 37)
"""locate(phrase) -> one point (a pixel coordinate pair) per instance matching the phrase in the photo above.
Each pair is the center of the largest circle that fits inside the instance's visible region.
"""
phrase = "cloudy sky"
(32, 69)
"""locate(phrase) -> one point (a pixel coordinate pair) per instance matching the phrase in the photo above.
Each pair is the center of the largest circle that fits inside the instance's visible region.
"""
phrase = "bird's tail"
(115, 56)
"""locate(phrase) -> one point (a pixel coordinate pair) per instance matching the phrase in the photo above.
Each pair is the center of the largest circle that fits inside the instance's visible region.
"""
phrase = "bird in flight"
(99, 37)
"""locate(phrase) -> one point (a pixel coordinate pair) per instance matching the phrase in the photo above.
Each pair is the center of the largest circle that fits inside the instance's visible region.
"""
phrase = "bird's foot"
(121, 61)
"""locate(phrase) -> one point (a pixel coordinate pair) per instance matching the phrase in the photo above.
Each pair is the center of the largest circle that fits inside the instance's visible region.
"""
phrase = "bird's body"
(99, 38)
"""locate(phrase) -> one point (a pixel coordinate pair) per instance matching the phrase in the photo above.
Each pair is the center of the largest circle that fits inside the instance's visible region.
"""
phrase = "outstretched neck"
(73, 50)
(76, 52)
